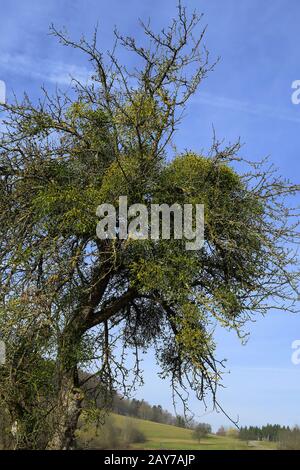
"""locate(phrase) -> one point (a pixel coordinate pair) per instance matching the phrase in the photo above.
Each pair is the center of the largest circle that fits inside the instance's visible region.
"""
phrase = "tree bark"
(69, 406)
(69, 395)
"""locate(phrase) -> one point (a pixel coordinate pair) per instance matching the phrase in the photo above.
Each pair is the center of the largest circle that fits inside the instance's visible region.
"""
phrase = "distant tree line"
(143, 410)
(132, 407)
(122, 405)
(270, 432)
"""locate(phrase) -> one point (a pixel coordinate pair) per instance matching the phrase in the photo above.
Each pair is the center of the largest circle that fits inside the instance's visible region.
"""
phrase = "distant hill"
(164, 436)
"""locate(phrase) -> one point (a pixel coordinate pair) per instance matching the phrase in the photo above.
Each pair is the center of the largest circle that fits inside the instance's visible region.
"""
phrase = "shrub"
(106, 436)
(233, 433)
(132, 434)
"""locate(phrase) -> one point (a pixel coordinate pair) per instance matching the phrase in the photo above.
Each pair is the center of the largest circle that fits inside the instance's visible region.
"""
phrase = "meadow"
(166, 437)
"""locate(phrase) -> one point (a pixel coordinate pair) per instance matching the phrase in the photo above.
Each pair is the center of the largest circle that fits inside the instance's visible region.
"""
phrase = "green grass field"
(162, 436)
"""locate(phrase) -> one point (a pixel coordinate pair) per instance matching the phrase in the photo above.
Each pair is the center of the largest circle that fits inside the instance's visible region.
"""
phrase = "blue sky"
(248, 96)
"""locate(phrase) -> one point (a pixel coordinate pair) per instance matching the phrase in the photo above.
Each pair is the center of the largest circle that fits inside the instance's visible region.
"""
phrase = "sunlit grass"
(163, 436)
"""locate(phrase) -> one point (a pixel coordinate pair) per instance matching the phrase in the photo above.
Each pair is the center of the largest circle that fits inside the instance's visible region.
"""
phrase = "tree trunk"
(67, 414)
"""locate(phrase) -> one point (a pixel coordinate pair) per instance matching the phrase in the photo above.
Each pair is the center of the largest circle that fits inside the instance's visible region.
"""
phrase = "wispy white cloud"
(245, 107)
(2, 92)
(61, 73)
(43, 69)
